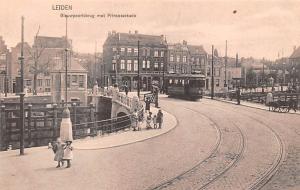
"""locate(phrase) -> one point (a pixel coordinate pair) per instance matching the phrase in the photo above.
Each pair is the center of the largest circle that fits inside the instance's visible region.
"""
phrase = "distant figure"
(148, 121)
(59, 152)
(238, 96)
(147, 101)
(159, 118)
(68, 154)
(269, 99)
(155, 122)
(126, 89)
(135, 120)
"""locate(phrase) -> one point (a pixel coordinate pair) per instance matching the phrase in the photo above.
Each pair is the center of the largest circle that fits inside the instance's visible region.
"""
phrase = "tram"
(186, 86)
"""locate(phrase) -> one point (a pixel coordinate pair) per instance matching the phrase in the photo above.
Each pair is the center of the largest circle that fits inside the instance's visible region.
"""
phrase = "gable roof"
(296, 53)
(51, 42)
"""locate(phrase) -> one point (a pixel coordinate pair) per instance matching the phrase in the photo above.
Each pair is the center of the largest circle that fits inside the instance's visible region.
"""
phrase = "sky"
(258, 28)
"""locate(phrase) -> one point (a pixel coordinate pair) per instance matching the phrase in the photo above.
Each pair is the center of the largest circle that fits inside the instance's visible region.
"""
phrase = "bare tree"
(38, 66)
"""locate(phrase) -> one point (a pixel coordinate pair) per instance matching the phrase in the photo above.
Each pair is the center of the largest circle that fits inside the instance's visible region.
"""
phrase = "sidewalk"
(249, 104)
(128, 136)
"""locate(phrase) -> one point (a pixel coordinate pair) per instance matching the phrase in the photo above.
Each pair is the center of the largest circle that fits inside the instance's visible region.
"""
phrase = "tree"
(38, 66)
(251, 77)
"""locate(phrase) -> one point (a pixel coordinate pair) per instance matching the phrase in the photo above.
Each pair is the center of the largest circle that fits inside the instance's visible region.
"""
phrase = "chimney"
(136, 32)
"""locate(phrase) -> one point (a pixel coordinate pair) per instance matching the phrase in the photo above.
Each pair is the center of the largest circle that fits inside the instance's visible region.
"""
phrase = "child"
(59, 152)
(68, 154)
(154, 122)
(148, 121)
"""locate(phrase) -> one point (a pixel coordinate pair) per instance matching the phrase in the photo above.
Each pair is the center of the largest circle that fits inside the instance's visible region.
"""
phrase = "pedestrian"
(148, 121)
(68, 154)
(159, 118)
(126, 89)
(238, 96)
(155, 122)
(147, 101)
(135, 120)
(59, 152)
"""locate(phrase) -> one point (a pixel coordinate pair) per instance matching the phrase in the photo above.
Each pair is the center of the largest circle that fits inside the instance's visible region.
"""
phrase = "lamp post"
(212, 72)
(138, 84)
(22, 94)
(66, 66)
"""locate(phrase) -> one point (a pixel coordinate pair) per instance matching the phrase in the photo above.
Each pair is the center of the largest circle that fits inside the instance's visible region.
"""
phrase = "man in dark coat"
(147, 101)
(238, 96)
(159, 118)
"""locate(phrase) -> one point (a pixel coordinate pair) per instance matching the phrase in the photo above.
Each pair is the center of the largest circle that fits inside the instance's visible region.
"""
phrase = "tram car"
(186, 86)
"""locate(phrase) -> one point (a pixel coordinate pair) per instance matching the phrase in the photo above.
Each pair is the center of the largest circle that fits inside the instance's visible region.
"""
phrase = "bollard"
(29, 124)
(54, 122)
(66, 133)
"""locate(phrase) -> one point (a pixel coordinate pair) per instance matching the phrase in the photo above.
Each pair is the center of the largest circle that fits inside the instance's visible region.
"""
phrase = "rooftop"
(296, 53)
(133, 38)
(51, 42)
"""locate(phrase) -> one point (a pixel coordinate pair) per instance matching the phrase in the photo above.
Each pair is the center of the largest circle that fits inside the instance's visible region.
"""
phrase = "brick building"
(5, 59)
(120, 59)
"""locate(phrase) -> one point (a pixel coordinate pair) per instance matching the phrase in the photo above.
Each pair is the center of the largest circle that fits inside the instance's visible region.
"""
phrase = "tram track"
(197, 167)
(271, 171)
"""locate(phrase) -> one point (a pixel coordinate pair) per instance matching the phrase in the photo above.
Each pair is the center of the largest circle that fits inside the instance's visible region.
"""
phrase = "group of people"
(63, 152)
(155, 120)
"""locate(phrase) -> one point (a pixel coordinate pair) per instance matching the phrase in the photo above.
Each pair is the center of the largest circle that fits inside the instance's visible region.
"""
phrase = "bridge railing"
(97, 128)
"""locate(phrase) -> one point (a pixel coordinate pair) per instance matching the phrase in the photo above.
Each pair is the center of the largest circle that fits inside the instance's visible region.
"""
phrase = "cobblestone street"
(215, 145)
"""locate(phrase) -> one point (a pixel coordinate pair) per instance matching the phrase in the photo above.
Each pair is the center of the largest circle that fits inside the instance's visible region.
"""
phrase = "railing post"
(92, 118)
(29, 124)
(3, 138)
(54, 129)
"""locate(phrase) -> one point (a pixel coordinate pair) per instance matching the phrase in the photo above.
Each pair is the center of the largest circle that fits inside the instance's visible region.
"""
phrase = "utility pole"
(22, 94)
(225, 84)
(212, 72)
(138, 84)
(263, 77)
(5, 77)
(95, 69)
(66, 66)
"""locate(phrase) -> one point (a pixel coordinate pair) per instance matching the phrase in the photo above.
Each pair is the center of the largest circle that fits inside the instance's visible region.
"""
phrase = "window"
(148, 64)
(113, 66)
(156, 53)
(135, 51)
(81, 81)
(162, 53)
(135, 67)
(3, 57)
(28, 82)
(217, 82)
(128, 65)
(122, 64)
(148, 52)
(114, 49)
(184, 59)
(47, 89)
(178, 58)
(68, 81)
(156, 66)
(129, 50)
(162, 65)
(171, 58)
(144, 52)
(122, 49)
(144, 64)
(40, 82)
(74, 78)
(48, 82)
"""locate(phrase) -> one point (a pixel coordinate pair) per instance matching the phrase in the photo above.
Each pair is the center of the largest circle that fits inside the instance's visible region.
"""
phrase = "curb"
(129, 143)
(248, 106)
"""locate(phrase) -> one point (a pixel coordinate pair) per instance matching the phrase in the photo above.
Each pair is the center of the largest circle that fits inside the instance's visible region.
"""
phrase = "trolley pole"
(138, 84)
(22, 94)
(212, 72)
(66, 66)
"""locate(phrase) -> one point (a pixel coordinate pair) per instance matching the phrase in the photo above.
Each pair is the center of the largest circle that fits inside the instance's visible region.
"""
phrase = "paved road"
(215, 146)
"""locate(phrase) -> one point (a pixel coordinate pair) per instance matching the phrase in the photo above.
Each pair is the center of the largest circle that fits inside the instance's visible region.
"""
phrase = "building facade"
(120, 59)
(5, 60)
